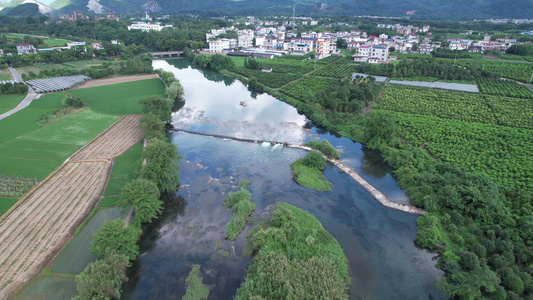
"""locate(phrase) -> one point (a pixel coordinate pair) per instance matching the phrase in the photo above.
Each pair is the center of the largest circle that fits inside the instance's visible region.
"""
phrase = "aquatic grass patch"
(196, 290)
(295, 258)
(120, 98)
(242, 208)
(307, 172)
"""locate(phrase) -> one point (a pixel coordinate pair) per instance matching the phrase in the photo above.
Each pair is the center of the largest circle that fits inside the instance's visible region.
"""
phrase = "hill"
(417, 9)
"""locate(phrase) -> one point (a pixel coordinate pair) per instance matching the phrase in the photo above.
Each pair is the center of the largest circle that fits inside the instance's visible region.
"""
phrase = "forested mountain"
(417, 9)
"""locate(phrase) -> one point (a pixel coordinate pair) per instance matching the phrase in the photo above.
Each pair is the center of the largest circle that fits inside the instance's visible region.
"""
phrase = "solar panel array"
(56, 84)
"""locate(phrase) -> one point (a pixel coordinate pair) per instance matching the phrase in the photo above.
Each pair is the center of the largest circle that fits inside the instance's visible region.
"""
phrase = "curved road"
(26, 101)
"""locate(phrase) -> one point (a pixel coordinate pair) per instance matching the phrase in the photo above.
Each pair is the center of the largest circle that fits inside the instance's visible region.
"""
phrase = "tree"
(152, 126)
(158, 106)
(315, 160)
(103, 278)
(143, 196)
(380, 130)
(341, 44)
(175, 90)
(114, 237)
(392, 49)
(161, 165)
(414, 47)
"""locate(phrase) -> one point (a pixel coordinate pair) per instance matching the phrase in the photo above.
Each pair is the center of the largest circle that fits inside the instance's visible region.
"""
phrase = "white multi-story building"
(148, 26)
(381, 52)
(222, 44)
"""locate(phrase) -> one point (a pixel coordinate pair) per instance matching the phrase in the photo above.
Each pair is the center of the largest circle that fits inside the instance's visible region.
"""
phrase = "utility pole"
(530, 79)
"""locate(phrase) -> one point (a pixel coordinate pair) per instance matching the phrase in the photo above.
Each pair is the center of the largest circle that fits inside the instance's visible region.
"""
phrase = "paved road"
(15, 74)
(25, 102)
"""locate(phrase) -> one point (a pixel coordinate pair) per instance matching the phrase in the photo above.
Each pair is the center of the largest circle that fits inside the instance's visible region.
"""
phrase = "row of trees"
(139, 64)
(116, 243)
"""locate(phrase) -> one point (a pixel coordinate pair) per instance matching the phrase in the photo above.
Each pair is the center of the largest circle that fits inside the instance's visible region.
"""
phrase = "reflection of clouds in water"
(216, 105)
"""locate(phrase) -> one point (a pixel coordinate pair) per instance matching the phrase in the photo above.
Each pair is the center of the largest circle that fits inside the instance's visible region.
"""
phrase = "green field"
(48, 287)
(72, 65)
(5, 204)
(122, 171)
(76, 256)
(121, 98)
(5, 75)
(48, 42)
(9, 102)
(29, 150)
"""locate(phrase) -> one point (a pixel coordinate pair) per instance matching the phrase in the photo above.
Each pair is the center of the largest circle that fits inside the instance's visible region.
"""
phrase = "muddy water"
(379, 242)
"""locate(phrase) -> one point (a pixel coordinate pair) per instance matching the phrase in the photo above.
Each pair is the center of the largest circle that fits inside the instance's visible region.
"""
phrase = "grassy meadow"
(32, 151)
(122, 171)
(48, 42)
(120, 98)
(9, 102)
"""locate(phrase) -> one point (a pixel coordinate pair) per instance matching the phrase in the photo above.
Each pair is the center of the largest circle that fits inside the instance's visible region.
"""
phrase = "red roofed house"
(26, 49)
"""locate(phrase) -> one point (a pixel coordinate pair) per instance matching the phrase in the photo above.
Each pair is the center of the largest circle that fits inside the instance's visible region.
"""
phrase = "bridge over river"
(166, 54)
(351, 172)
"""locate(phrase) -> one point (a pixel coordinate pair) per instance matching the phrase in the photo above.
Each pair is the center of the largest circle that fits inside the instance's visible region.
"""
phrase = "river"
(384, 261)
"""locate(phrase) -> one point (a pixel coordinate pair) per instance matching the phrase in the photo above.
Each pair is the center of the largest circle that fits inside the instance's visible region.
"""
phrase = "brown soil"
(42, 221)
(113, 80)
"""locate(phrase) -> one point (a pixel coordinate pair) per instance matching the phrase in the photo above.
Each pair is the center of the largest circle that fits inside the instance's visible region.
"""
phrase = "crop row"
(517, 71)
(335, 71)
(512, 112)
(504, 153)
(274, 80)
(289, 66)
(14, 187)
(307, 86)
(503, 88)
(460, 106)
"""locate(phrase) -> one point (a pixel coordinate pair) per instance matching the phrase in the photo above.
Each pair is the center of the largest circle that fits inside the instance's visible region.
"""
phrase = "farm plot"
(42, 222)
(443, 104)
(506, 88)
(306, 86)
(114, 141)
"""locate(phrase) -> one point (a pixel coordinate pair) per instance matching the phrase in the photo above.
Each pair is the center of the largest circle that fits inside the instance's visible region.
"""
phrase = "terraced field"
(42, 221)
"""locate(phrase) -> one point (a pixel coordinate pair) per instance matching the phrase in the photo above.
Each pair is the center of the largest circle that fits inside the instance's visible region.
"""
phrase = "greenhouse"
(56, 84)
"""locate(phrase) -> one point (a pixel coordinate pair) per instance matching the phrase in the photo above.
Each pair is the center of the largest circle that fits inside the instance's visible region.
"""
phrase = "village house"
(26, 49)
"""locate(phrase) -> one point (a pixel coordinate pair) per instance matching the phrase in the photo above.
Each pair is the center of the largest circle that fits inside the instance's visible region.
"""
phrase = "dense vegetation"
(295, 258)
(324, 147)
(506, 88)
(307, 172)
(242, 207)
(462, 106)
(139, 64)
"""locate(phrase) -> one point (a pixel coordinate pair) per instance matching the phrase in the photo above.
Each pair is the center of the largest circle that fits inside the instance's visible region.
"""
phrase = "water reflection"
(384, 263)
(215, 106)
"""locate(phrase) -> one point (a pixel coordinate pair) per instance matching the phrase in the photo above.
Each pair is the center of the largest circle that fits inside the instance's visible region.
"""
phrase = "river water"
(384, 262)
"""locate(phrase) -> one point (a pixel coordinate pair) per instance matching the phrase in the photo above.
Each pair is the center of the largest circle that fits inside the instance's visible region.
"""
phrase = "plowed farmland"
(42, 220)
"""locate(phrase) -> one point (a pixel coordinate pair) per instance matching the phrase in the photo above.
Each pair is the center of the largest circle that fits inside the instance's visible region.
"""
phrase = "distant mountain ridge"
(419, 9)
